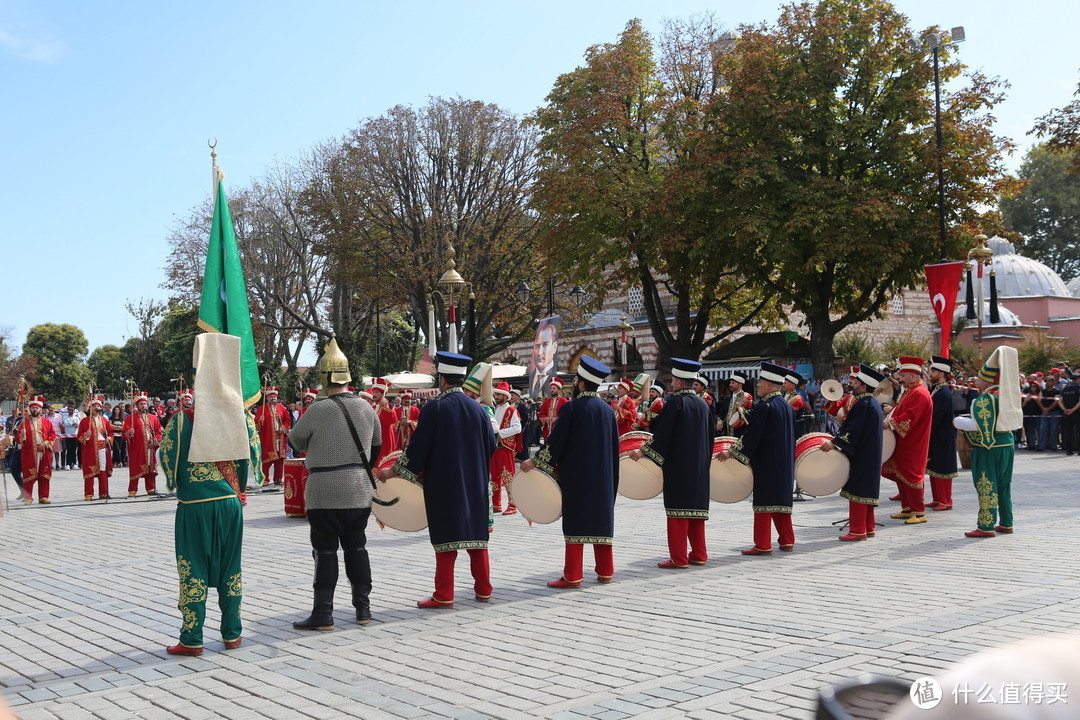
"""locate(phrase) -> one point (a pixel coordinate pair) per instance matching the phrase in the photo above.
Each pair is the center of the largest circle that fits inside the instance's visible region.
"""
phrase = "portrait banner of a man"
(545, 356)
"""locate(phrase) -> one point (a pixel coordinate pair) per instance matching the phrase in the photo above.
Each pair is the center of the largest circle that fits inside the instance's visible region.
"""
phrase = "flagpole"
(214, 169)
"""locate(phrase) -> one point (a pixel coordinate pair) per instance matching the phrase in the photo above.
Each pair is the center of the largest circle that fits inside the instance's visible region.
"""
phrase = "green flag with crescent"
(223, 307)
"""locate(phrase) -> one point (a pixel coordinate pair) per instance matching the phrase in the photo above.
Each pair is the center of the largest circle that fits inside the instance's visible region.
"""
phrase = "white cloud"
(23, 40)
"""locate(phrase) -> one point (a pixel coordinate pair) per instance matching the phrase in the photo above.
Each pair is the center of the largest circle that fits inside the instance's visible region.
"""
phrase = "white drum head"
(537, 496)
(821, 473)
(730, 481)
(888, 444)
(409, 513)
(640, 480)
(832, 390)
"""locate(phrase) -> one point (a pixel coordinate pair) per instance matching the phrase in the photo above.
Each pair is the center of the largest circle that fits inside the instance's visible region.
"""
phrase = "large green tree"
(616, 137)
(111, 370)
(60, 351)
(1061, 129)
(1047, 210)
(819, 173)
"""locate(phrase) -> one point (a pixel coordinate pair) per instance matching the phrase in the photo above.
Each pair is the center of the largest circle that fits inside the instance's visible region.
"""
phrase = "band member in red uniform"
(840, 408)
(309, 397)
(273, 422)
(95, 436)
(36, 436)
(656, 404)
(143, 432)
(507, 446)
(549, 409)
(387, 417)
(407, 415)
(735, 408)
(910, 420)
(625, 407)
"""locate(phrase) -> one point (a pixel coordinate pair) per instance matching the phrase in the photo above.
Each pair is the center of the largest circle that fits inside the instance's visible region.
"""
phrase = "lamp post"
(450, 288)
(577, 295)
(624, 327)
(980, 257)
(934, 42)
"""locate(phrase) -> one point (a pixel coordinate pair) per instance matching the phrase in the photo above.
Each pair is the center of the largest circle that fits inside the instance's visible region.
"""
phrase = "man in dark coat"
(859, 439)
(768, 447)
(583, 453)
(941, 463)
(682, 446)
(451, 446)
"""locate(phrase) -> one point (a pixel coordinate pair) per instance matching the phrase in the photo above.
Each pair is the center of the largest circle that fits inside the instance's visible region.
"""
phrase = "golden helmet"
(334, 365)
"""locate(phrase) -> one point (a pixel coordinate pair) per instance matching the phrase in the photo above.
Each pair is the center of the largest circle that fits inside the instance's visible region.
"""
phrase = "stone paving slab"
(89, 598)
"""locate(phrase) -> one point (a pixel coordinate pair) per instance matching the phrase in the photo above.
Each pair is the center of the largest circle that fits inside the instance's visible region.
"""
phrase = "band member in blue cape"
(859, 439)
(451, 447)
(768, 447)
(682, 446)
(583, 453)
(941, 463)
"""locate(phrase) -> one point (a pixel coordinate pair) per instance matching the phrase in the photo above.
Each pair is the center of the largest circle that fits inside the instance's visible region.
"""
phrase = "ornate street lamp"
(451, 286)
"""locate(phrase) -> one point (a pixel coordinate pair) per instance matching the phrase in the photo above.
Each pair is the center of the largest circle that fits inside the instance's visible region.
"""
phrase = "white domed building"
(1030, 296)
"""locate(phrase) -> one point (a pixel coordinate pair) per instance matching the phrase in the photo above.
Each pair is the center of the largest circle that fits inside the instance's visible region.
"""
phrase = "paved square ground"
(88, 592)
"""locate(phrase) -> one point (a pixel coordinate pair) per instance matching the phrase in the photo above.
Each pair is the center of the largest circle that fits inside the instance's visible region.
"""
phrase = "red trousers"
(150, 480)
(861, 519)
(572, 566)
(502, 469)
(279, 471)
(911, 499)
(763, 524)
(444, 575)
(102, 482)
(43, 488)
(681, 531)
(941, 491)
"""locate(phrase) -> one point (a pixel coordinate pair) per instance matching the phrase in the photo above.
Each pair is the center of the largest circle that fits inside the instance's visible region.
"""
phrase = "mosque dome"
(1074, 287)
(1006, 316)
(1018, 276)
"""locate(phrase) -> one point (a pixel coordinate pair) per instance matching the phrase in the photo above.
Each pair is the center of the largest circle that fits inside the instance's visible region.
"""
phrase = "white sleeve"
(965, 423)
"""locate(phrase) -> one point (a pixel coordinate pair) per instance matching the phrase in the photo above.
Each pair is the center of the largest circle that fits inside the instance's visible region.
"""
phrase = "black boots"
(322, 614)
(358, 568)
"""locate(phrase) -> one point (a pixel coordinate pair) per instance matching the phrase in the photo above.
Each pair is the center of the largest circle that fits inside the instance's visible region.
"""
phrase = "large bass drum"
(888, 444)
(409, 513)
(642, 479)
(729, 481)
(818, 472)
(295, 484)
(537, 496)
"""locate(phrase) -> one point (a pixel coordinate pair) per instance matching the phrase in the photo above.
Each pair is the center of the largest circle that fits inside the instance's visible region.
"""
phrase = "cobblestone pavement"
(88, 591)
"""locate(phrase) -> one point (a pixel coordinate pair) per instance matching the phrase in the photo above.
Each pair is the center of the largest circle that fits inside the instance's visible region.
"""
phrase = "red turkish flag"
(943, 284)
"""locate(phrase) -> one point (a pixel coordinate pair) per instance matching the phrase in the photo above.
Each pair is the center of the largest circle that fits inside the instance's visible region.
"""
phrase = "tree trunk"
(822, 333)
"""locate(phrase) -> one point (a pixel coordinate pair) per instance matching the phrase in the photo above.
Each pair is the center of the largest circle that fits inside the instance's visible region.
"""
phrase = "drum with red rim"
(818, 472)
(729, 481)
(888, 444)
(642, 479)
(409, 513)
(537, 495)
(295, 482)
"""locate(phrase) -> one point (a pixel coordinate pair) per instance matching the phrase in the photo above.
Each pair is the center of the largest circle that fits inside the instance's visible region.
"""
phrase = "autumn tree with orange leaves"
(817, 174)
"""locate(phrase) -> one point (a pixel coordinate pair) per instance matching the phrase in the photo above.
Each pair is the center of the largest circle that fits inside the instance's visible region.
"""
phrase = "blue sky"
(107, 107)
